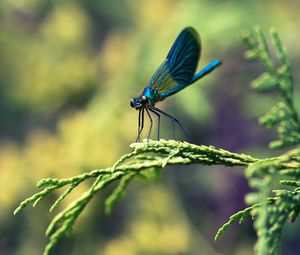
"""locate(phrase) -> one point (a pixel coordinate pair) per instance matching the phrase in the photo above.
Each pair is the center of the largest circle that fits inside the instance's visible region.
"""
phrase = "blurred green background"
(67, 72)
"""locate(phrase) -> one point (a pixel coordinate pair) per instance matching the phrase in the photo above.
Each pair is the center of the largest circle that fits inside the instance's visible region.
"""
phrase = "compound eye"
(144, 98)
(132, 103)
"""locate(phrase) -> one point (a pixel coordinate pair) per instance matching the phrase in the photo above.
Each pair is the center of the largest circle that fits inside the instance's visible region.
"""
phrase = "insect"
(175, 73)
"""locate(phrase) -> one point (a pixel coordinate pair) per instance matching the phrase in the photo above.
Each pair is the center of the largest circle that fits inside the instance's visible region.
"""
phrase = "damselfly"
(175, 73)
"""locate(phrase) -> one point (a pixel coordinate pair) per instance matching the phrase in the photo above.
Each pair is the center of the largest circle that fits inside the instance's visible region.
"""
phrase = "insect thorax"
(151, 94)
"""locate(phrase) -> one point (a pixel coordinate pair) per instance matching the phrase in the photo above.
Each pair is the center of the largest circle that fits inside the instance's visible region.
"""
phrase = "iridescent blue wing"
(178, 69)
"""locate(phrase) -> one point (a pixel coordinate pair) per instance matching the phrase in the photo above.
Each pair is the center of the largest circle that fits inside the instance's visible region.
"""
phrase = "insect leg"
(151, 123)
(158, 121)
(141, 124)
(174, 120)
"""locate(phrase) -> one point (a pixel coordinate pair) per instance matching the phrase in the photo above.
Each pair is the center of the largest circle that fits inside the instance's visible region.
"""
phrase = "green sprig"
(240, 216)
(275, 77)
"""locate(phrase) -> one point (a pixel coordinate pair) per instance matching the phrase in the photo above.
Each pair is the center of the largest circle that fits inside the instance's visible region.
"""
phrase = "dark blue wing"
(178, 69)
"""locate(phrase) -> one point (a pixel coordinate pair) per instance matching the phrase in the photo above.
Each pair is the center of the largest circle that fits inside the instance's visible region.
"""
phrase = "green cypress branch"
(145, 156)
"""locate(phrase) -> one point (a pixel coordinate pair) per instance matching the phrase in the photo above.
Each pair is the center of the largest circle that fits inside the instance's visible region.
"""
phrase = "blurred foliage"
(64, 70)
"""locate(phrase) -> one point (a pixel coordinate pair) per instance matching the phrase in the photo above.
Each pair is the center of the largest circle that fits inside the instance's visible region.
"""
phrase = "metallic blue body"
(175, 73)
(151, 94)
(211, 66)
